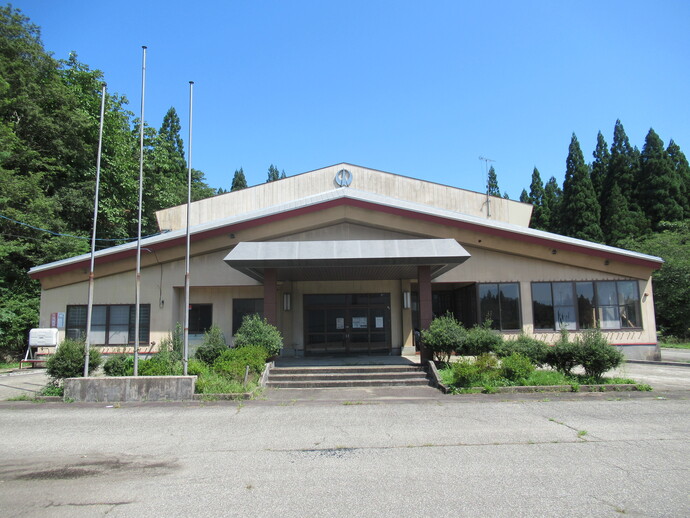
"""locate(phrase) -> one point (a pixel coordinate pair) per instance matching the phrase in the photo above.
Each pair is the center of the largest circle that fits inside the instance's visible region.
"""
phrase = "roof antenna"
(488, 199)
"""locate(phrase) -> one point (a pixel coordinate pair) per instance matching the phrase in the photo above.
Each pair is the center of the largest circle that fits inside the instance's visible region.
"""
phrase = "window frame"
(597, 307)
(78, 331)
(196, 322)
(480, 316)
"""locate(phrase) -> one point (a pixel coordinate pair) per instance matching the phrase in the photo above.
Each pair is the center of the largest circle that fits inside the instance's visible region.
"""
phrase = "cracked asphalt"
(572, 455)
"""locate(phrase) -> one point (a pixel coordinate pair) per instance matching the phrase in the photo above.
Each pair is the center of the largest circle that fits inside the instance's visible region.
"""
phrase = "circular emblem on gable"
(343, 178)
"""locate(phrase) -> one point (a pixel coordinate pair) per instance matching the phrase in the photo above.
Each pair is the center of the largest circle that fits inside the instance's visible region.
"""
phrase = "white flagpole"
(89, 302)
(141, 195)
(186, 260)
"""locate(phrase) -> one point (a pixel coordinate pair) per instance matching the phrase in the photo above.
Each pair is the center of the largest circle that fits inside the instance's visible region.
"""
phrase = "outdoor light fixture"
(287, 302)
(407, 300)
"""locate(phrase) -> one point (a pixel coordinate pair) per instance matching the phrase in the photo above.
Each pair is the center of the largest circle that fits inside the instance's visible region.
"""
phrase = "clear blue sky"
(415, 88)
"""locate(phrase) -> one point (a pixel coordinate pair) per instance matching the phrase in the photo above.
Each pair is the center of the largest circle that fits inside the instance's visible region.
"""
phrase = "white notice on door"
(379, 322)
(359, 322)
(340, 323)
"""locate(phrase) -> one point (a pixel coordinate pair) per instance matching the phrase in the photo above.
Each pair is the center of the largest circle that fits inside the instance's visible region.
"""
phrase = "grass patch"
(21, 397)
(670, 345)
(470, 378)
(214, 383)
(9, 365)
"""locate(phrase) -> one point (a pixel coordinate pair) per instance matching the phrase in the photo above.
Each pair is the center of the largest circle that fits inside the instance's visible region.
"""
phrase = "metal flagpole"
(141, 195)
(186, 260)
(89, 302)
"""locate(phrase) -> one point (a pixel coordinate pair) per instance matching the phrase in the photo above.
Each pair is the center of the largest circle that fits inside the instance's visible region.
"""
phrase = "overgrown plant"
(68, 360)
(233, 362)
(481, 339)
(257, 331)
(119, 365)
(212, 347)
(595, 354)
(563, 355)
(536, 350)
(444, 336)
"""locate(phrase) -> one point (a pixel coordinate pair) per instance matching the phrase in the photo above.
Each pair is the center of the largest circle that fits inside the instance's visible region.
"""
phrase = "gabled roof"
(355, 198)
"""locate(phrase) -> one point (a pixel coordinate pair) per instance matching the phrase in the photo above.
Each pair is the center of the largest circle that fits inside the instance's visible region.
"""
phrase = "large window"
(200, 318)
(110, 325)
(244, 307)
(500, 303)
(584, 305)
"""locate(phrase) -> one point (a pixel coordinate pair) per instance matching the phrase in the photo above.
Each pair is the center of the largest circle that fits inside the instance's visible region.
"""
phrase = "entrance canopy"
(346, 260)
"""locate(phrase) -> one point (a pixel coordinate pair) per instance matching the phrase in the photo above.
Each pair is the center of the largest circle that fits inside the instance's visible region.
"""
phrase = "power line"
(72, 235)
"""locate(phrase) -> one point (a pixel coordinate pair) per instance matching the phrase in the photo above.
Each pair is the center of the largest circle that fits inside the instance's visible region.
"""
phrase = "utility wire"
(73, 236)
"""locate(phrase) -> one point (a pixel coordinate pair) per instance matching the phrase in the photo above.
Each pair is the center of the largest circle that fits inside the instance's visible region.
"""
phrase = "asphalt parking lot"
(575, 455)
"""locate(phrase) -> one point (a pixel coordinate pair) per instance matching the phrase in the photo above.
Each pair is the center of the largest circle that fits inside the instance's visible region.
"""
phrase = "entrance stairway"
(330, 376)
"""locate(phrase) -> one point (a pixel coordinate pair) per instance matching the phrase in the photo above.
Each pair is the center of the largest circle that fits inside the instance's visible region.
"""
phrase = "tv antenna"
(488, 199)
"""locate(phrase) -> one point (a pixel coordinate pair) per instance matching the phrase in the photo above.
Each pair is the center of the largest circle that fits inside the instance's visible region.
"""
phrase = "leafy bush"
(595, 354)
(119, 365)
(516, 367)
(482, 339)
(213, 383)
(212, 346)
(197, 367)
(486, 361)
(466, 373)
(256, 331)
(165, 363)
(536, 350)
(563, 355)
(68, 360)
(233, 362)
(444, 336)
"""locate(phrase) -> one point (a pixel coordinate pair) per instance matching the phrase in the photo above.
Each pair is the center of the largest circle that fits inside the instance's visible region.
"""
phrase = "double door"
(347, 324)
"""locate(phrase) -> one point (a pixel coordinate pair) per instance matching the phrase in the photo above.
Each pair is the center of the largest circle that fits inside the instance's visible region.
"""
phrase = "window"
(110, 325)
(584, 305)
(500, 303)
(244, 307)
(200, 318)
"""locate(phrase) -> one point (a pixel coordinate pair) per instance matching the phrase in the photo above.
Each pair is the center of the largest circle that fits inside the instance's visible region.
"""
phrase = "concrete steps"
(347, 376)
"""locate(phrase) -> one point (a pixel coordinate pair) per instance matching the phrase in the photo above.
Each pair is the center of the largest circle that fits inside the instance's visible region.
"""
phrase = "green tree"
(540, 212)
(238, 180)
(600, 166)
(671, 283)
(659, 185)
(273, 174)
(680, 164)
(580, 214)
(524, 197)
(553, 196)
(492, 188)
(619, 222)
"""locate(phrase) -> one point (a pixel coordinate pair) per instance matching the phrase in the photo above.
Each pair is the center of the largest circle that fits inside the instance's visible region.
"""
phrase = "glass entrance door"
(347, 324)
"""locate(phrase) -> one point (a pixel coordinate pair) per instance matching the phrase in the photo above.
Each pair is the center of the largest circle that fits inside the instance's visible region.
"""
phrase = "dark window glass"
(110, 325)
(585, 305)
(510, 306)
(501, 304)
(200, 318)
(245, 307)
(489, 307)
(542, 305)
(606, 304)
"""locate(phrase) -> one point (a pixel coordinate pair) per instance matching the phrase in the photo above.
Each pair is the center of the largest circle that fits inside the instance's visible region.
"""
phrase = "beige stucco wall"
(321, 180)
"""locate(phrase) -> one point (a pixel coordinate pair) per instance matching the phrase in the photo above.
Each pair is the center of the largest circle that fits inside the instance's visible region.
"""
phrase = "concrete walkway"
(675, 355)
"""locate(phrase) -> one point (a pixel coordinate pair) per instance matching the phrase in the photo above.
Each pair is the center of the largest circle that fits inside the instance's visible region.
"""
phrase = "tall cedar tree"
(659, 185)
(600, 166)
(540, 213)
(524, 197)
(273, 174)
(553, 198)
(623, 170)
(580, 211)
(238, 180)
(680, 164)
(492, 183)
(619, 222)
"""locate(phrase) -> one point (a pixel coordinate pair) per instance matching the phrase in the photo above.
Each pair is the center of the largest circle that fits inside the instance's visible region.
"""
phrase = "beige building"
(349, 260)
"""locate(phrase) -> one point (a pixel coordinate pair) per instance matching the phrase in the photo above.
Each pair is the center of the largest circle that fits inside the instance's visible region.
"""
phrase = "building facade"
(349, 260)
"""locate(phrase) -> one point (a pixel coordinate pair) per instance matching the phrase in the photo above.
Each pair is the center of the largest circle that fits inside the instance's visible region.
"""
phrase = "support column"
(425, 310)
(271, 296)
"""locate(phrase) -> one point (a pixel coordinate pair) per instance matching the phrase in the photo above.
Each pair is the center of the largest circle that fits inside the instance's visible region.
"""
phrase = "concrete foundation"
(131, 388)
